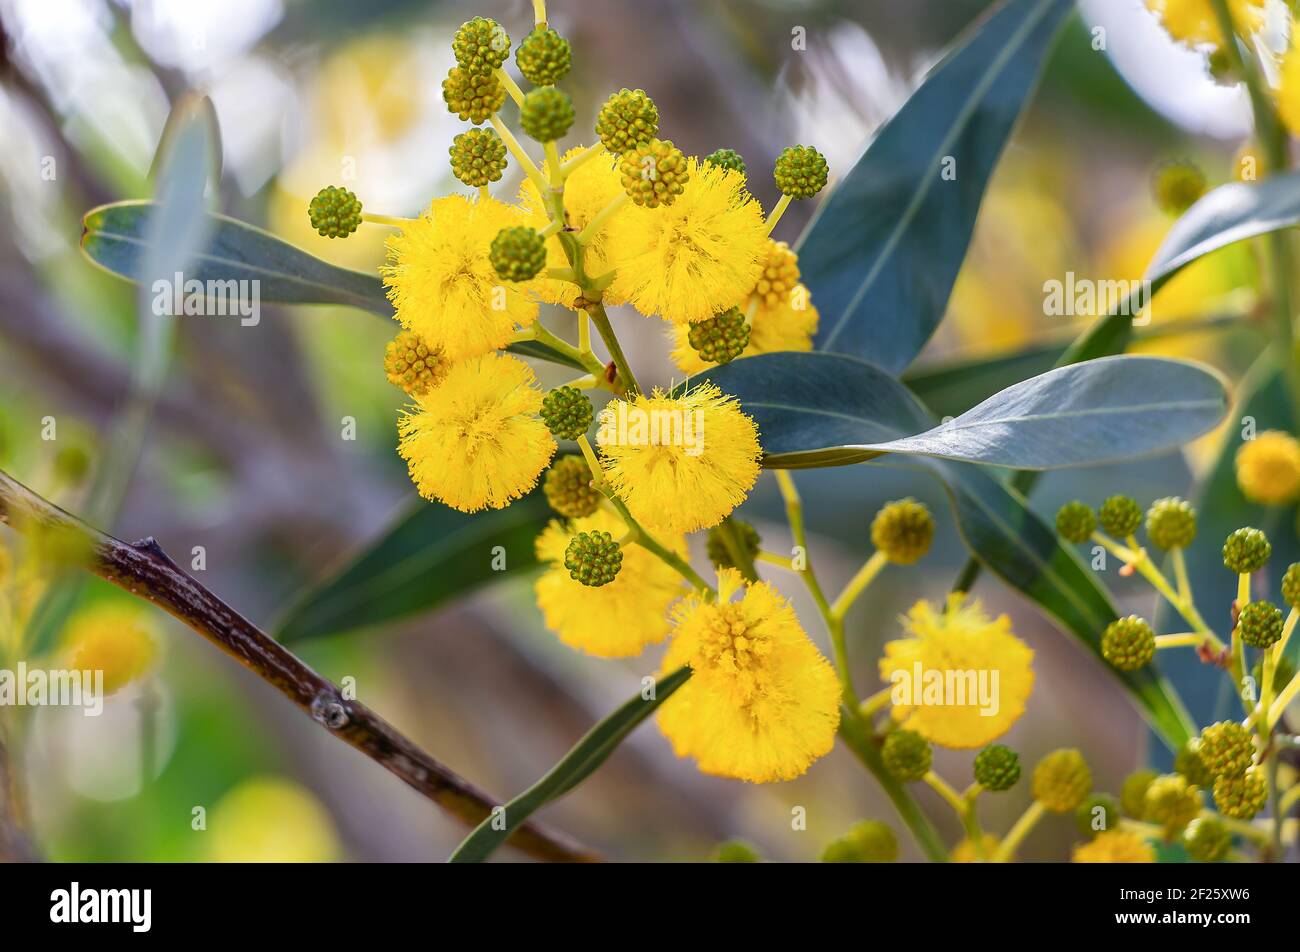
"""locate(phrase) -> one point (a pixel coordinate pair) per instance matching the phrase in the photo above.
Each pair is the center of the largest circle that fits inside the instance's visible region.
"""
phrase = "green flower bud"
(628, 119)
(720, 339)
(593, 558)
(736, 851)
(903, 530)
(654, 173)
(1246, 550)
(801, 171)
(727, 159)
(1243, 796)
(478, 157)
(334, 212)
(471, 96)
(412, 365)
(997, 768)
(1171, 523)
(1075, 522)
(1207, 840)
(518, 253)
(1188, 762)
(1177, 186)
(568, 488)
(567, 413)
(1121, 516)
(1062, 780)
(907, 755)
(1133, 793)
(1291, 585)
(480, 46)
(72, 464)
(1260, 624)
(543, 56)
(746, 536)
(547, 114)
(868, 841)
(1097, 814)
(1227, 749)
(1171, 802)
(1128, 643)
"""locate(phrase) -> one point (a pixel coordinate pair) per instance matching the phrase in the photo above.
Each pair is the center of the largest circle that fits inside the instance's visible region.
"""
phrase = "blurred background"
(244, 457)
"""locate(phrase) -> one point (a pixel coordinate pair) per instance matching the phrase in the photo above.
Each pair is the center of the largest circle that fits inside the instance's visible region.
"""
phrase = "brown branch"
(145, 571)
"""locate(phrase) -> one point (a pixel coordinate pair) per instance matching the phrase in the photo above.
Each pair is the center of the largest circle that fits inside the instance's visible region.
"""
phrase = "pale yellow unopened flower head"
(1268, 468)
(270, 820)
(679, 463)
(790, 326)
(476, 441)
(1115, 846)
(689, 260)
(609, 621)
(116, 640)
(442, 283)
(962, 678)
(762, 703)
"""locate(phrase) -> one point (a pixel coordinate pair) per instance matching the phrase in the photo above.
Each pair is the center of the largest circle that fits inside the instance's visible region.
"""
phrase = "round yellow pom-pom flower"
(114, 640)
(962, 678)
(269, 820)
(1268, 468)
(762, 703)
(700, 255)
(1115, 846)
(476, 441)
(615, 620)
(442, 283)
(790, 326)
(1288, 91)
(680, 463)
(1194, 23)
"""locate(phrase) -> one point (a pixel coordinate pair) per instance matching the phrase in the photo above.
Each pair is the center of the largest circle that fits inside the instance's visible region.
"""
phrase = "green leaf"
(431, 555)
(881, 255)
(577, 765)
(826, 409)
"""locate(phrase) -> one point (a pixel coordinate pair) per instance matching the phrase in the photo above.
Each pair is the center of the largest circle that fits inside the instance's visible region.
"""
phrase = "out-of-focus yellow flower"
(1194, 23)
(964, 852)
(1268, 468)
(112, 639)
(1115, 846)
(762, 703)
(270, 820)
(1288, 91)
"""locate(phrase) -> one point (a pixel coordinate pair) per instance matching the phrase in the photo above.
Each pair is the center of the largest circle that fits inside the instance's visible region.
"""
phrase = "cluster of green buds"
(518, 253)
(720, 339)
(731, 533)
(334, 212)
(867, 841)
(1228, 752)
(412, 365)
(593, 558)
(567, 413)
(1170, 522)
(907, 755)
(569, 488)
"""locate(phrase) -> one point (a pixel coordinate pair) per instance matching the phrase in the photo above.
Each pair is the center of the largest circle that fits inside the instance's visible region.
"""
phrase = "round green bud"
(1227, 749)
(547, 114)
(903, 530)
(1246, 550)
(997, 768)
(1075, 522)
(567, 413)
(543, 56)
(875, 841)
(628, 119)
(720, 339)
(1128, 643)
(480, 45)
(801, 171)
(1133, 792)
(568, 488)
(727, 159)
(334, 212)
(471, 96)
(654, 173)
(72, 464)
(746, 536)
(1120, 516)
(518, 253)
(1097, 814)
(413, 366)
(1207, 840)
(907, 755)
(1062, 780)
(1243, 796)
(1188, 762)
(478, 157)
(842, 850)
(1291, 585)
(593, 558)
(1178, 185)
(736, 851)
(1171, 803)
(1260, 624)
(1171, 523)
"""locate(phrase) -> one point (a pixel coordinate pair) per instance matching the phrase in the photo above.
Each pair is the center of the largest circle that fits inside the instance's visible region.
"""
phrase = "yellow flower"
(1288, 91)
(1194, 23)
(1268, 468)
(700, 255)
(962, 678)
(112, 639)
(964, 852)
(680, 463)
(610, 621)
(442, 284)
(790, 326)
(587, 191)
(762, 703)
(476, 441)
(1115, 846)
(269, 820)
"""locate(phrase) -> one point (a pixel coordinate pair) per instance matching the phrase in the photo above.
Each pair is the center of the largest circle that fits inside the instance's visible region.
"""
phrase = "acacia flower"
(1115, 846)
(1268, 468)
(762, 703)
(1195, 23)
(476, 441)
(114, 640)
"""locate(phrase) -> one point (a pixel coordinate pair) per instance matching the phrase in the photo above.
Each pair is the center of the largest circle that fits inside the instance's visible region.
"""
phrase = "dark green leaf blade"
(881, 255)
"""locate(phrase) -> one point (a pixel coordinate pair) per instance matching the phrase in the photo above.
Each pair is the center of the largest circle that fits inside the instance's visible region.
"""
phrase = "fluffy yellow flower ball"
(962, 678)
(269, 820)
(1288, 91)
(1194, 23)
(790, 326)
(114, 640)
(609, 621)
(442, 283)
(476, 441)
(679, 463)
(1115, 846)
(1268, 468)
(762, 703)
(690, 260)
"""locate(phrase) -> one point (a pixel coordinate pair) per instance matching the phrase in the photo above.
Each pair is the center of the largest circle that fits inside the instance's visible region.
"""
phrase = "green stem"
(1011, 842)
(600, 320)
(858, 584)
